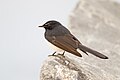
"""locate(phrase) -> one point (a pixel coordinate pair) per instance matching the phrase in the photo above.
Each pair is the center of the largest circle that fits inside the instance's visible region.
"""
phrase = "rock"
(96, 24)
(63, 68)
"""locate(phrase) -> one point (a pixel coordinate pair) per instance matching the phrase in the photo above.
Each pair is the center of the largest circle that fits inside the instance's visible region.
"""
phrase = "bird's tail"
(98, 54)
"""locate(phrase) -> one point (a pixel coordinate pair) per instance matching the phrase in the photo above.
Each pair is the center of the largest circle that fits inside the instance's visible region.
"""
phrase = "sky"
(23, 47)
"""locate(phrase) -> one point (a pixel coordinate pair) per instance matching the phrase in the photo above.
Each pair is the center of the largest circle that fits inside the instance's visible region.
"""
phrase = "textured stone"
(63, 68)
(96, 23)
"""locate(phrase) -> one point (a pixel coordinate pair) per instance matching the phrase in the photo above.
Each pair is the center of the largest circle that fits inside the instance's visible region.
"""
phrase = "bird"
(62, 38)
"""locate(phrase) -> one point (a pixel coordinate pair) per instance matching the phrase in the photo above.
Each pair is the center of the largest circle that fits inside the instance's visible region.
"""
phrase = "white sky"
(22, 44)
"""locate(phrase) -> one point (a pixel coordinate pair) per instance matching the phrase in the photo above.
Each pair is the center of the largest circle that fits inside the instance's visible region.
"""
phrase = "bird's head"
(50, 24)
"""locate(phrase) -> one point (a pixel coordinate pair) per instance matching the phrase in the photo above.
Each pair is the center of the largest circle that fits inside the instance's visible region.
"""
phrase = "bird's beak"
(40, 26)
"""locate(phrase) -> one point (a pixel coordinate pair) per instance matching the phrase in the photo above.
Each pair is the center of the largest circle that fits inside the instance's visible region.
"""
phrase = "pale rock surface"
(96, 23)
(63, 68)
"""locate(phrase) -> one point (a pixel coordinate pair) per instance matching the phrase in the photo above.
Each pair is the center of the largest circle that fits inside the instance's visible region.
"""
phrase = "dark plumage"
(61, 37)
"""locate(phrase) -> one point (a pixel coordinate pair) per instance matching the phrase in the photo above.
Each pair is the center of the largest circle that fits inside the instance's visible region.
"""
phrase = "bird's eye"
(47, 24)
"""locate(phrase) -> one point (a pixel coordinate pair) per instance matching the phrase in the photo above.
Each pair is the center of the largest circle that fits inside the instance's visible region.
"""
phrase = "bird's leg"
(53, 53)
(63, 53)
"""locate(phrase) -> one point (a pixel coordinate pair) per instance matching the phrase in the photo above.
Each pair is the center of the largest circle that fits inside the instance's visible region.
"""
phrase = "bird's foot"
(62, 54)
(52, 54)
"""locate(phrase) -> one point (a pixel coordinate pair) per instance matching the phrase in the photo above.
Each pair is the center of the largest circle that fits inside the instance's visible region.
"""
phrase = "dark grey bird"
(62, 38)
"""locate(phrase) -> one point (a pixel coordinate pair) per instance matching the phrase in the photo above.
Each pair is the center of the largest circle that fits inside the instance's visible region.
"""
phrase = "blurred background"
(23, 47)
(22, 44)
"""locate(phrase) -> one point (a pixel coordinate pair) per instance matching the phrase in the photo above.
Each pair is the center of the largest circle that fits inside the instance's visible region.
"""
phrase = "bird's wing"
(66, 43)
